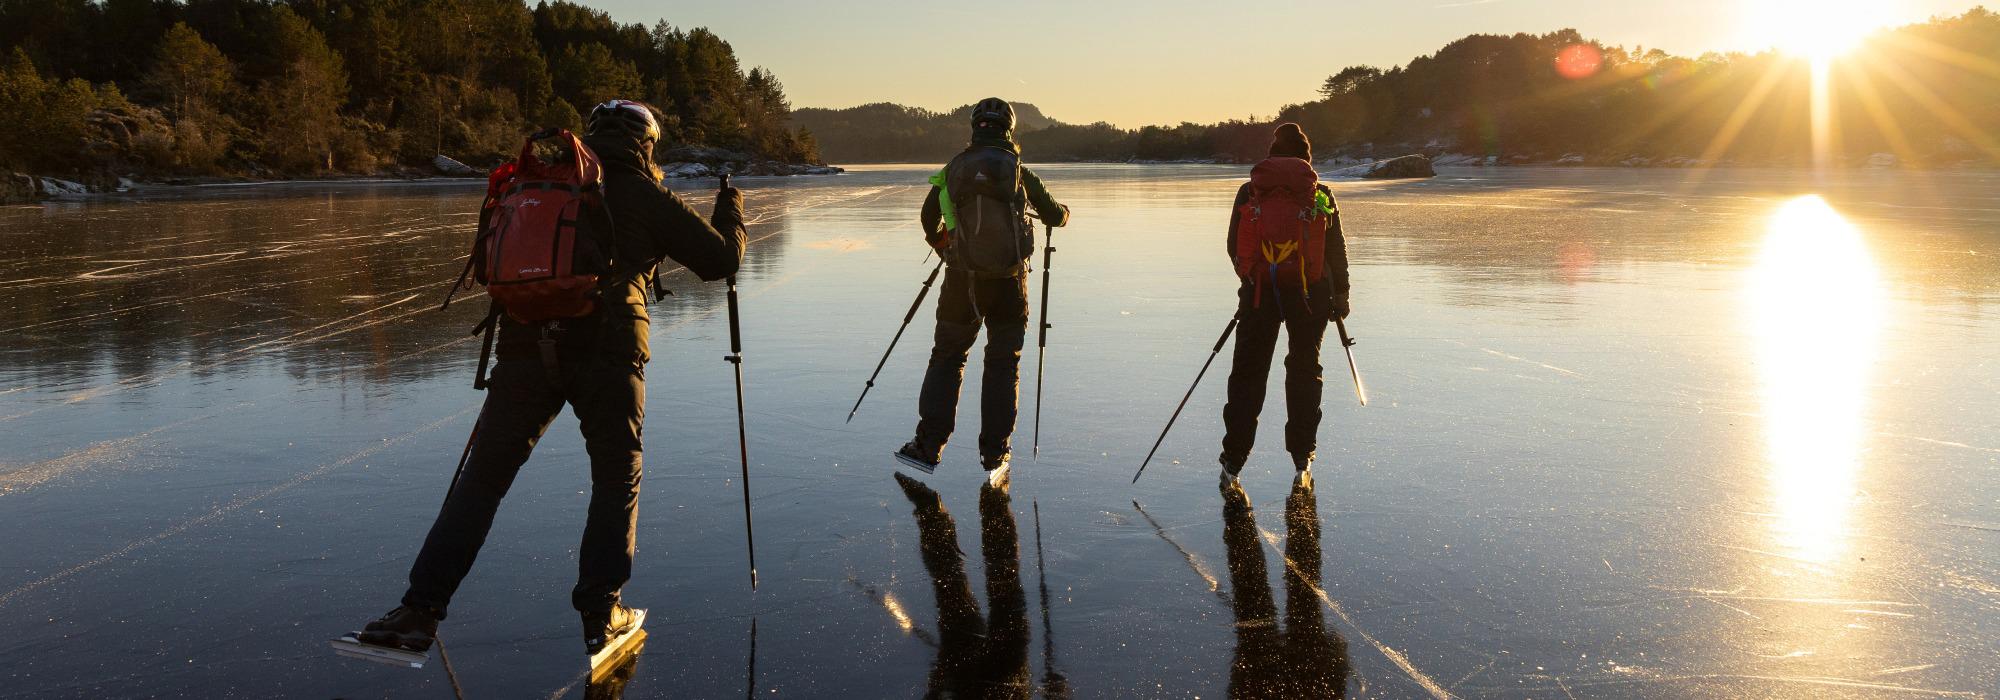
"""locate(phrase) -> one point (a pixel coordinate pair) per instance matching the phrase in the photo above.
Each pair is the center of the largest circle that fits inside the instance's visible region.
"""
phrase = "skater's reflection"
(978, 656)
(1306, 659)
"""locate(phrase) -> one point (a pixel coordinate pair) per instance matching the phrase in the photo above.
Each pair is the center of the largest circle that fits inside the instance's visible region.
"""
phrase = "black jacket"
(649, 223)
(1336, 244)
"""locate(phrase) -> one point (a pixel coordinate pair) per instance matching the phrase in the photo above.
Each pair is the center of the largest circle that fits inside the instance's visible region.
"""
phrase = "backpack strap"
(478, 246)
(457, 285)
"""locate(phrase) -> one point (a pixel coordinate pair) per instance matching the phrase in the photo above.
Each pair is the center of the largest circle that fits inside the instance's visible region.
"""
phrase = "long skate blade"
(352, 647)
(609, 681)
(914, 463)
(617, 650)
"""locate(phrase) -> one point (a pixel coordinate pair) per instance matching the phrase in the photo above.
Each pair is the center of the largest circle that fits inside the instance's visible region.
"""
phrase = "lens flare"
(1579, 61)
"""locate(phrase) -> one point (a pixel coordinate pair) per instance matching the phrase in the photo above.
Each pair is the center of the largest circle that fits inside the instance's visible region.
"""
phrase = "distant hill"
(891, 133)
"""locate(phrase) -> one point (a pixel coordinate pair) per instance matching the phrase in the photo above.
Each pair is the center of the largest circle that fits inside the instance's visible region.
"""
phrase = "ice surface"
(1631, 433)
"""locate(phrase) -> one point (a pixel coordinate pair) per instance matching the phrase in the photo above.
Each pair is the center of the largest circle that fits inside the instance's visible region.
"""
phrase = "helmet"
(628, 117)
(993, 113)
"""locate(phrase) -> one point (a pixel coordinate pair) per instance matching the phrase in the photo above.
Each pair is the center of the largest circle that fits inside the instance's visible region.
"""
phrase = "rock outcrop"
(16, 188)
(1398, 168)
(52, 188)
(447, 166)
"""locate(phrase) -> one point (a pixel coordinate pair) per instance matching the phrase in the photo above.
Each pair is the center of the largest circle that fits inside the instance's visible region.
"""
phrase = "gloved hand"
(1340, 306)
(728, 213)
(940, 241)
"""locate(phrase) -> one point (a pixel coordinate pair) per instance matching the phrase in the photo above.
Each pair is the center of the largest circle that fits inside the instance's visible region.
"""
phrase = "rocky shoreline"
(695, 161)
(680, 163)
(1451, 159)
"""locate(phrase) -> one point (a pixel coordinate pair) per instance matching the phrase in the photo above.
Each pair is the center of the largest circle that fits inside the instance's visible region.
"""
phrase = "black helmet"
(628, 117)
(993, 113)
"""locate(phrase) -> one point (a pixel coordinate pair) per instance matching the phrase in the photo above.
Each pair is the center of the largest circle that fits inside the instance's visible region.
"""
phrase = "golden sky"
(1161, 62)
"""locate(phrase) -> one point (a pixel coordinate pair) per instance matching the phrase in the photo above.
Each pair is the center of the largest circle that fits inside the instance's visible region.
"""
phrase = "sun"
(1819, 30)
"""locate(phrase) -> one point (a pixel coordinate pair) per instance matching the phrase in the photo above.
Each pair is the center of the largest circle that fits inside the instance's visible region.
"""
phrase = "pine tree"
(299, 106)
(189, 74)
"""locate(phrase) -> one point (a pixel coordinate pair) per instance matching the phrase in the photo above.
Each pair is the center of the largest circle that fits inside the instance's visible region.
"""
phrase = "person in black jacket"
(599, 371)
(1305, 313)
(979, 289)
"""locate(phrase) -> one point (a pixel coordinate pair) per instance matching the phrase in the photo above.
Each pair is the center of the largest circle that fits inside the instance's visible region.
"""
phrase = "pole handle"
(735, 323)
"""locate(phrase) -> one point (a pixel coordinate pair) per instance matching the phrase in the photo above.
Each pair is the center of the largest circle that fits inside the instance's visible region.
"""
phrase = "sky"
(1134, 63)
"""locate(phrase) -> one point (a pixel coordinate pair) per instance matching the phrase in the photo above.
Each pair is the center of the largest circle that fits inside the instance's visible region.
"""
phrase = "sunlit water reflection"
(1816, 311)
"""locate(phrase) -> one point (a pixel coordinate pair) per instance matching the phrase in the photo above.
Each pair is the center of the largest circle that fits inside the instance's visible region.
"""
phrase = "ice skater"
(976, 218)
(1286, 246)
(594, 361)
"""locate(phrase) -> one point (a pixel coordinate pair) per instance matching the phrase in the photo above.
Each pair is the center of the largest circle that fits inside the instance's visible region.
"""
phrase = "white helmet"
(629, 117)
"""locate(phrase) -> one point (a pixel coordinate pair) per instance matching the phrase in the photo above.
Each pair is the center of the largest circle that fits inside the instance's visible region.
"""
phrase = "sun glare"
(1820, 30)
(1815, 309)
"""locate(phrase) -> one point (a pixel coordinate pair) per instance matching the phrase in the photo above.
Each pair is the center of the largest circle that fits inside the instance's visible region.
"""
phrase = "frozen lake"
(1631, 434)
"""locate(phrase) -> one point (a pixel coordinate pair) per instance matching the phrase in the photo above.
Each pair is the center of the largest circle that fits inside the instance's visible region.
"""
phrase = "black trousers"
(1304, 318)
(609, 400)
(964, 303)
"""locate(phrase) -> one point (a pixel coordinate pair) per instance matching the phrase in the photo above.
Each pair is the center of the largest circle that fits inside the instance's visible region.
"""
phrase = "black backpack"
(994, 237)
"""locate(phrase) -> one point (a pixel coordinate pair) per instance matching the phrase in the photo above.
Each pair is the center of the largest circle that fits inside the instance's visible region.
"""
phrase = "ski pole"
(742, 433)
(1347, 344)
(1042, 342)
(1219, 342)
(928, 281)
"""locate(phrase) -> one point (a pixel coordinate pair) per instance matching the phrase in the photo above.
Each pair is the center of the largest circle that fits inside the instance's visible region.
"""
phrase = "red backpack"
(1281, 227)
(538, 251)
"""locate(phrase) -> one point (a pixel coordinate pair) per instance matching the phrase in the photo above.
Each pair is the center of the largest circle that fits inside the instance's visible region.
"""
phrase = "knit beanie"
(1290, 141)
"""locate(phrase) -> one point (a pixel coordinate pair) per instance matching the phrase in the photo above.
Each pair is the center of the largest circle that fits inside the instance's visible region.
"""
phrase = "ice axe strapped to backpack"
(540, 251)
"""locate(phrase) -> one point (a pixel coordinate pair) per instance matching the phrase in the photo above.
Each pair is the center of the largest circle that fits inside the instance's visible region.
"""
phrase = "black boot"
(1231, 467)
(407, 628)
(920, 456)
(600, 628)
(1303, 461)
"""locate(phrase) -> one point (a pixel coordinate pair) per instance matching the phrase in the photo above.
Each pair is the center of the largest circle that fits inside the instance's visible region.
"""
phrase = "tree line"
(1927, 93)
(97, 88)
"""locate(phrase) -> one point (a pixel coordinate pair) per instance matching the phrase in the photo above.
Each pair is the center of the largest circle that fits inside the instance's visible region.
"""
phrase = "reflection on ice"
(978, 656)
(1815, 302)
(1305, 659)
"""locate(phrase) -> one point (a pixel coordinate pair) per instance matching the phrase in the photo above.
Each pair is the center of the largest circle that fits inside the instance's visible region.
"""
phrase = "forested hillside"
(884, 132)
(99, 88)
(1926, 94)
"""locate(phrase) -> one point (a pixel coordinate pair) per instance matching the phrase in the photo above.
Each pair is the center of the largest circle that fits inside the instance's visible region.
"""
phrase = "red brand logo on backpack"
(537, 251)
(1281, 227)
